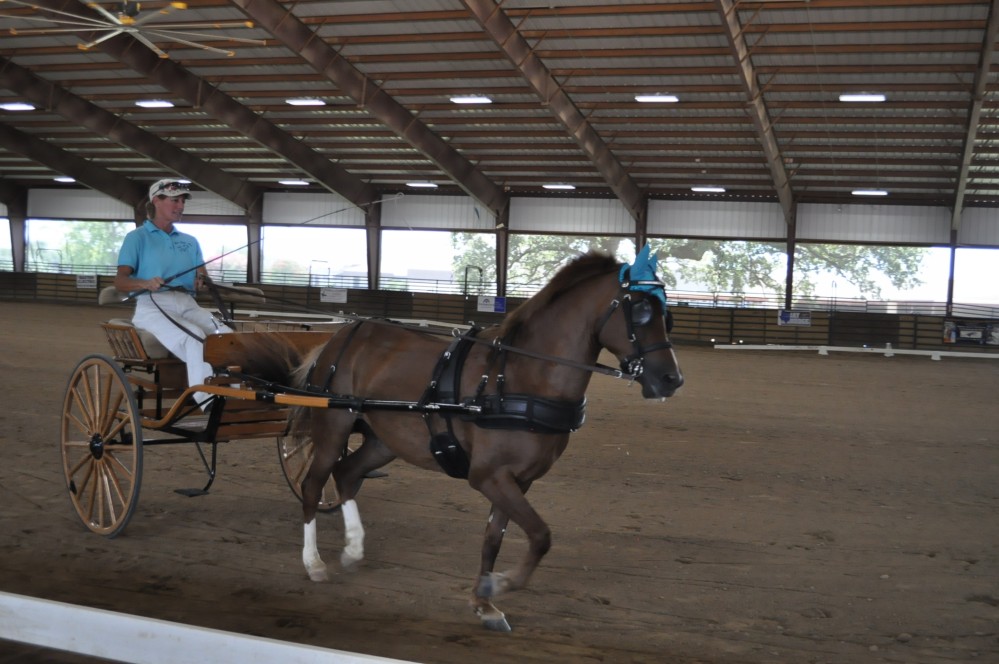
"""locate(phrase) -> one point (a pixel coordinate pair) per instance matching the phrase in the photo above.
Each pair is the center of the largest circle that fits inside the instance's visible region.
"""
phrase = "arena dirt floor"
(784, 507)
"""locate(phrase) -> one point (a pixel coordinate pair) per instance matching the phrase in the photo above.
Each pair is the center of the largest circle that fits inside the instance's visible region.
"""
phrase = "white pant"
(182, 308)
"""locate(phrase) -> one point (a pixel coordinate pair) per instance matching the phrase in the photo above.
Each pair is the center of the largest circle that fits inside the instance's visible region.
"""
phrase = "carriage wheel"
(296, 458)
(101, 445)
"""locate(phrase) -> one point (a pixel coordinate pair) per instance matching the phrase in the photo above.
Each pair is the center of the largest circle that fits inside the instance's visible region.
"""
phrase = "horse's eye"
(641, 313)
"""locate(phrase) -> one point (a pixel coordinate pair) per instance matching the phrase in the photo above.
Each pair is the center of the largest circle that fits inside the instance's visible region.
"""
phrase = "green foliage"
(94, 242)
(714, 265)
(532, 259)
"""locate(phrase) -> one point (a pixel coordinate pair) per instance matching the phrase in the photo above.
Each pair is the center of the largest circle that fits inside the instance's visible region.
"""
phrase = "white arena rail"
(125, 638)
(887, 351)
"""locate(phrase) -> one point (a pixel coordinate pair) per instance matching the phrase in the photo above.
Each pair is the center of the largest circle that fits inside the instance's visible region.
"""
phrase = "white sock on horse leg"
(314, 565)
(353, 550)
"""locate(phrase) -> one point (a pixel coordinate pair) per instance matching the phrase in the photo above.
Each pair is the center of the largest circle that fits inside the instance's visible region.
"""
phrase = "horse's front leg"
(507, 497)
(491, 617)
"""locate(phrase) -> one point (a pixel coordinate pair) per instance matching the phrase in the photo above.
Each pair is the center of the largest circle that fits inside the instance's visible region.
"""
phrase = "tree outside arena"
(712, 266)
(754, 271)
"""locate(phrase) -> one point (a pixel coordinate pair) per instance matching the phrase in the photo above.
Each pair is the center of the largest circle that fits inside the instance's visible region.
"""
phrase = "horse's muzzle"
(660, 387)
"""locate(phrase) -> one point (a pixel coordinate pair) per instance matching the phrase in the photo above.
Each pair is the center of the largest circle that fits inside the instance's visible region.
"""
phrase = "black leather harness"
(523, 412)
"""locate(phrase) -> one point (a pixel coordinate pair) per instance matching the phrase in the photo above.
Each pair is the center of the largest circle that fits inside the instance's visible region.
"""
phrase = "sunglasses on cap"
(173, 189)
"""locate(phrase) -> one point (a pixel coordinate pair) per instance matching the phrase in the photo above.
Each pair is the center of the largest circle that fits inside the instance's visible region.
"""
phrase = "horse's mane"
(588, 265)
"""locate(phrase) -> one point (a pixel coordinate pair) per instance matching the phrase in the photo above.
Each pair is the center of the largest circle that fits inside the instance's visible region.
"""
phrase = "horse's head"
(636, 329)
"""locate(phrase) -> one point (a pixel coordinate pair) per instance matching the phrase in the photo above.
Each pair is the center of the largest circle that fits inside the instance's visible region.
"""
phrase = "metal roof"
(758, 84)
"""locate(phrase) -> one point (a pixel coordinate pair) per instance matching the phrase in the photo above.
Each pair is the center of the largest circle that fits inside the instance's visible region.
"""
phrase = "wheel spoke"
(114, 462)
(81, 426)
(83, 406)
(79, 465)
(123, 420)
(91, 493)
(106, 485)
(287, 453)
(90, 376)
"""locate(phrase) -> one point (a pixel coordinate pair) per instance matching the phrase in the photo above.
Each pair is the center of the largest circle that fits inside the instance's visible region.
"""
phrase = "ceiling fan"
(123, 18)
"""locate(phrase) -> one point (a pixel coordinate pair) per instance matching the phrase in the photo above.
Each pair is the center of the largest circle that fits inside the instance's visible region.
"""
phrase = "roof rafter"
(757, 107)
(221, 106)
(504, 33)
(63, 161)
(109, 125)
(974, 114)
(298, 37)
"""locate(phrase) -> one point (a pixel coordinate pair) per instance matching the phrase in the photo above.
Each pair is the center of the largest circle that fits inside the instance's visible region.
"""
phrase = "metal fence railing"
(706, 318)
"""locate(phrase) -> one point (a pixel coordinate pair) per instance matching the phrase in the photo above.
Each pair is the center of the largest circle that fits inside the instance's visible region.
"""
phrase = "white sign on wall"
(335, 295)
(86, 281)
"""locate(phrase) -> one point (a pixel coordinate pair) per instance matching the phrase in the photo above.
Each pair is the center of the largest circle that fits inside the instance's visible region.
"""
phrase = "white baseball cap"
(170, 187)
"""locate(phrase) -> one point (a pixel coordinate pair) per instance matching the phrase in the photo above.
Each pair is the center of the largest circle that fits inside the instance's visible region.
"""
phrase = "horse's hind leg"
(349, 474)
(330, 432)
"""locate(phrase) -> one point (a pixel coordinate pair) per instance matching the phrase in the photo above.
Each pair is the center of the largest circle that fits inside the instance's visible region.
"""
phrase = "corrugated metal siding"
(902, 224)
(458, 213)
(76, 204)
(979, 226)
(716, 219)
(581, 216)
(311, 209)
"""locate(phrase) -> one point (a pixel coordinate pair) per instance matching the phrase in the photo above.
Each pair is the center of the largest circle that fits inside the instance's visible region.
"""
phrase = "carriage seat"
(132, 343)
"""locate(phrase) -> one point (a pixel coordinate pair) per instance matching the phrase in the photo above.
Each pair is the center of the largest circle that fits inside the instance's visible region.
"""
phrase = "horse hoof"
(497, 625)
(319, 575)
(348, 561)
(492, 618)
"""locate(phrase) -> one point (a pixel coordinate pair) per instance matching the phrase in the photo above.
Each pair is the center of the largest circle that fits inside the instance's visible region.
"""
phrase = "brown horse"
(497, 405)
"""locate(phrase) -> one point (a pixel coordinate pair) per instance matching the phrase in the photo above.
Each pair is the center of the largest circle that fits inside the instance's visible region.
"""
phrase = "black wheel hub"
(97, 446)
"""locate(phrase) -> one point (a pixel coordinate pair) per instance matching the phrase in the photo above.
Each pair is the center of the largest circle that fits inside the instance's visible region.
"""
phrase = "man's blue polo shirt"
(151, 252)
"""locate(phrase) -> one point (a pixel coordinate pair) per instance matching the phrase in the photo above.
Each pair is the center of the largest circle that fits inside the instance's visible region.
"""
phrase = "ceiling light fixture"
(303, 101)
(154, 103)
(294, 183)
(862, 98)
(471, 99)
(708, 190)
(422, 185)
(17, 106)
(657, 99)
(64, 178)
(869, 192)
(559, 186)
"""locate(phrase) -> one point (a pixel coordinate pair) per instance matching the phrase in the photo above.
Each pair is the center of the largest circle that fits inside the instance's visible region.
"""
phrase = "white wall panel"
(76, 204)
(457, 213)
(901, 224)
(311, 209)
(599, 216)
(979, 226)
(716, 219)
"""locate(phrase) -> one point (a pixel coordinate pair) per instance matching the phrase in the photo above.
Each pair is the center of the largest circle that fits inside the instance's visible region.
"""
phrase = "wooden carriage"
(117, 404)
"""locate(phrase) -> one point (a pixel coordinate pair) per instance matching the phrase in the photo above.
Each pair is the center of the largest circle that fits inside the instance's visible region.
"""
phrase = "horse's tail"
(301, 416)
(270, 358)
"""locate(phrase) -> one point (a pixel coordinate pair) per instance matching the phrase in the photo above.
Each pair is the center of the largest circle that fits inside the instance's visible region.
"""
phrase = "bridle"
(636, 314)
